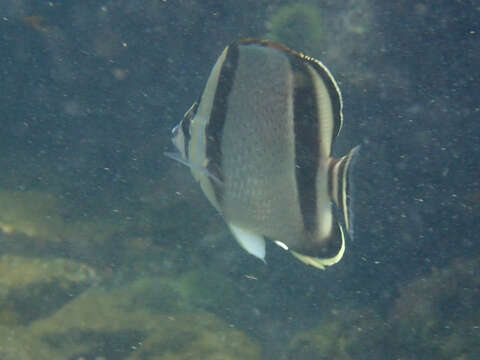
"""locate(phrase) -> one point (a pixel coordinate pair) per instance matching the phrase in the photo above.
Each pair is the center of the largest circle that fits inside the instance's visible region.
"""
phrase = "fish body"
(259, 143)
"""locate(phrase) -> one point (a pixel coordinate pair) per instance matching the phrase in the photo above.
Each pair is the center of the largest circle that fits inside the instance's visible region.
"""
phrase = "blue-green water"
(109, 250)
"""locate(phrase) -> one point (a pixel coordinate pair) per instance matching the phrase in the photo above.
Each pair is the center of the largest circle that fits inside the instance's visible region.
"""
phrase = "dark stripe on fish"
(214, 128)
(187, 118)
(330, 84)
(305, 122)
(333, 92)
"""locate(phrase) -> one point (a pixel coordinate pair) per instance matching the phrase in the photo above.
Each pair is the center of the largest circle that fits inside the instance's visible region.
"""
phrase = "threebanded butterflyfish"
(259, 142)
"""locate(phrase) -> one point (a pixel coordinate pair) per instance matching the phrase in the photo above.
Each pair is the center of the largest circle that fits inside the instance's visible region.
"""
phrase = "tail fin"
(340, 186)
(339, 190)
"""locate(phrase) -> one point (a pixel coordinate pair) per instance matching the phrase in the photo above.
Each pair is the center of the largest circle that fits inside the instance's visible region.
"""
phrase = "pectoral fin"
(178, 157)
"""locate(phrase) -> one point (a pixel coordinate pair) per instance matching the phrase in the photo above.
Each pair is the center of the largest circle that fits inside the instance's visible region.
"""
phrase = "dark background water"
(91, 90)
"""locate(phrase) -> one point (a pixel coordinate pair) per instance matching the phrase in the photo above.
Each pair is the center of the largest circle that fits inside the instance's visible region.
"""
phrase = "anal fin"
(252, 243)
(321, 263)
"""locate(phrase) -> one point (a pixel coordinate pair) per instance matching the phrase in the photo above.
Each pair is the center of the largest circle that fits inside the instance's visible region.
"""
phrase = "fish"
(259, 143)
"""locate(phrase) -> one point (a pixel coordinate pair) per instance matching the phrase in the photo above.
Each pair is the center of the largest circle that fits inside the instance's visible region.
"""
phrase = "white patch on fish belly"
(252, 243)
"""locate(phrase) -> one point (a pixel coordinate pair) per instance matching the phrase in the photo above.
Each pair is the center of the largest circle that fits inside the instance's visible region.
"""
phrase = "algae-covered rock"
(21, 272)
(41, 215)
(33, 222)
(14, 345)
(31, 213)
(207, 290)
(298, 26)
(117, 323)
(438, 315)
(34, 287)
(196, 336)
(345, 335)
(341, 33)
(193, 290)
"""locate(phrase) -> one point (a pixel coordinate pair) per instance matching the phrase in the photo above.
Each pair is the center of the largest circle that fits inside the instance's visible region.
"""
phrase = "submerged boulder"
(121, 323)
(32, 288)
(344, 335)
(437, 315)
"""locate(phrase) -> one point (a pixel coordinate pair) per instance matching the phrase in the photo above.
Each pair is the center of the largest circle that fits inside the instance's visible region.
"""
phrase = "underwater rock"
(15, 346)
(438, 314)
(123, 322)
(41, 215)
(196, 336)
(36, 222)
(342, 34)
(195, 290)
(299, 26)
(32, 287)
(344, 335)
(208, 290)
(30, 213)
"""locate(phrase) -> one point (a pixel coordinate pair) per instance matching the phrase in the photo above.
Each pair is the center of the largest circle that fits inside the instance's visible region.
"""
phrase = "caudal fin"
(340, 186)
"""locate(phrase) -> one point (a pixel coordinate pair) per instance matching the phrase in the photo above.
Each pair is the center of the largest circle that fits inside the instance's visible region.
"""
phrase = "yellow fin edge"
(321, 263)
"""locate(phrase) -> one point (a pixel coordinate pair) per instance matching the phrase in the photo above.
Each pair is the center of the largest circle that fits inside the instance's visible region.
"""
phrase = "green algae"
(48, 282)
(15, 345)
(197, 336)
(100, 322)
(43, 218)
(21, 272)
(340, 34)
(31, 213)
(207, 290)
(435, 316)
(297, 25)
(191, 291)
(344, 335)
(438, 314)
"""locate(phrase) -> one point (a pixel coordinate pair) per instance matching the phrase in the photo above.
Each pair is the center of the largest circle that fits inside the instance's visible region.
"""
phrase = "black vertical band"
(307, 150)
(214, 128)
